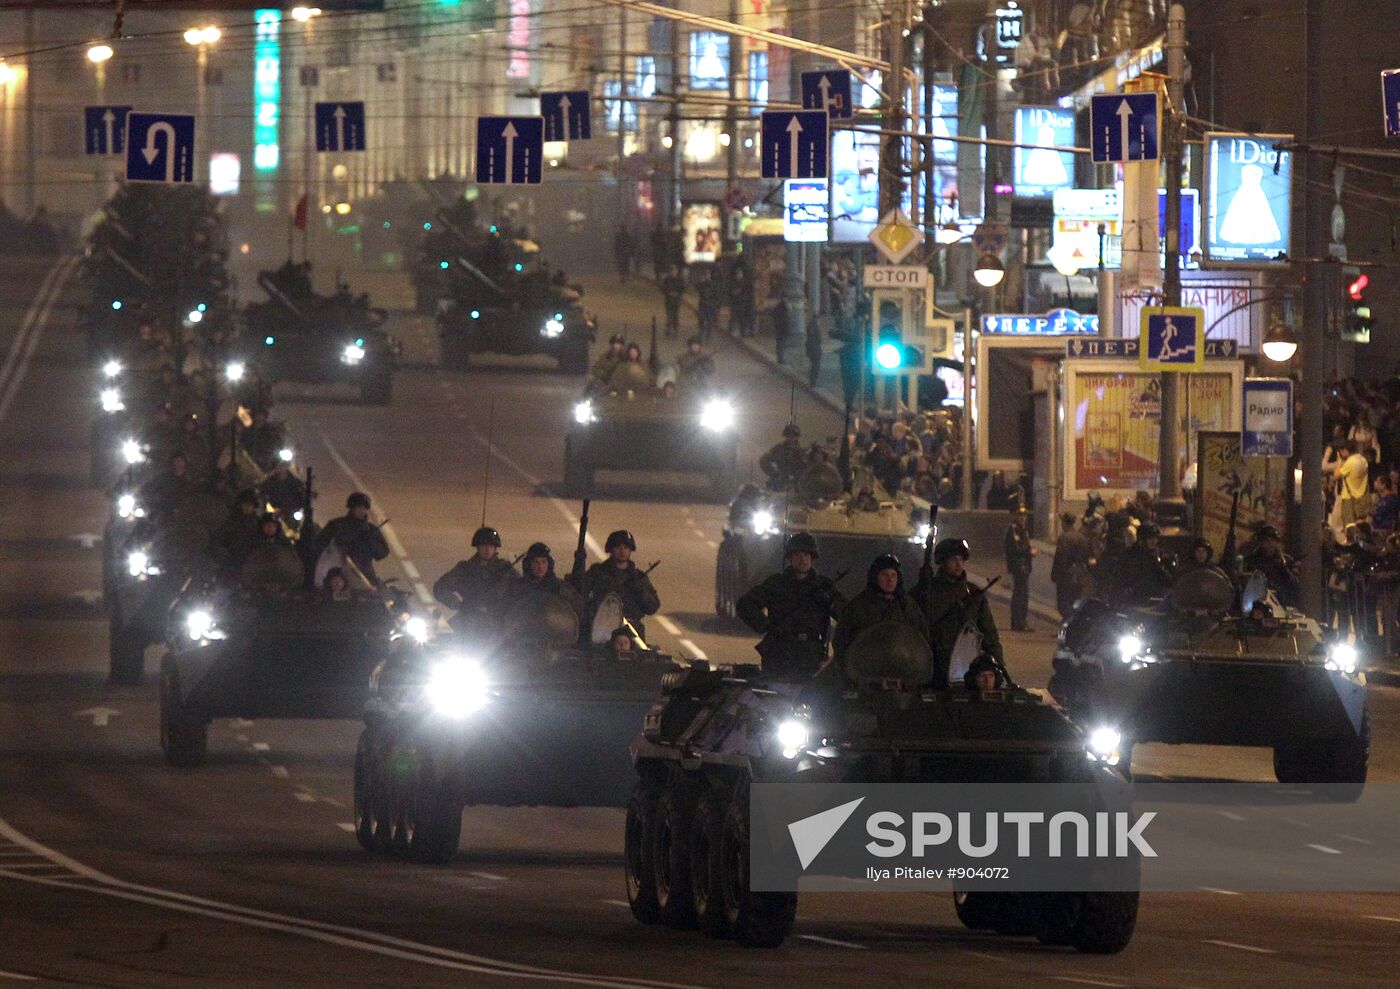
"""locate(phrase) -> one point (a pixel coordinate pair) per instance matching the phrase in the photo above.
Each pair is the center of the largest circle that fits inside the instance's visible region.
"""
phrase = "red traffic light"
(1357, 289)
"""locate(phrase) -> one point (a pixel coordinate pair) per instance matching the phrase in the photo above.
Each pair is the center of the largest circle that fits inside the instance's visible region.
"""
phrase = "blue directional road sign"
(1172, 339)
(1390, 99)
(1125, 127)
(105, 127)
(566, 116)
(159, 147)
(829, 90)
(794, 144)
(509, 150)
(1268, 418)
(340, 126)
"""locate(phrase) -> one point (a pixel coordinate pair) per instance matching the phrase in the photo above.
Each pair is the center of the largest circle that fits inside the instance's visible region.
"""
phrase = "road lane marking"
(409, 570)
(833, 942)
(668, 625)
(347, 826)
(488, 875)
(1080, 980)
(1222, 892)
(617, 903)
(31, 330)
(1353, 838)
(20, 977)
(261, 747)
(712, 544)
(242, 723)
(1241, 947)
(1231, 815)
(280, 772)
(696, 651)
(423, 593)
(1325, 849)
(1388, 920)
(101, 716)
(304, 797)
(984, 956)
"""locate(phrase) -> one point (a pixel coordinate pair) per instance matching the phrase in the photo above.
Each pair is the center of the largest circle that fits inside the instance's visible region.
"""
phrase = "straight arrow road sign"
(105, 129)
(159, 147)
(1125, 127)
(794, 144)
(340, 126)
(1390, 101)
(509, 150)
(828, 90)
(567, 115)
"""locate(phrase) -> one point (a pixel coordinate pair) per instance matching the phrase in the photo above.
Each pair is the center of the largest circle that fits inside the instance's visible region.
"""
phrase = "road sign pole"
(1169, 469)
(892, 151)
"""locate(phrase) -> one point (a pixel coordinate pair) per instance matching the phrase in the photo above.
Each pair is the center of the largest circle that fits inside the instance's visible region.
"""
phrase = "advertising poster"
(1112, 416)
(1040, 171)
(1223, 470)
(1249, 198)
(700, 226)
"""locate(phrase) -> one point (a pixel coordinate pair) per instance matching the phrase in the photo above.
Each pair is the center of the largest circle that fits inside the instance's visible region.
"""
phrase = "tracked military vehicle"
(851, 528)
(877, 718)
(519, 315)
(1199, 668)
(523, 717)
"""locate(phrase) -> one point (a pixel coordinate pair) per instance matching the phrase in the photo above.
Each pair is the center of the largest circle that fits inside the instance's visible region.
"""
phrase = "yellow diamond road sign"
(896, 236)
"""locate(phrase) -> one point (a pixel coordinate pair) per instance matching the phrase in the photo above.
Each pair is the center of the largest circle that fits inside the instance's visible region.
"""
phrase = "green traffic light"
(888, 356)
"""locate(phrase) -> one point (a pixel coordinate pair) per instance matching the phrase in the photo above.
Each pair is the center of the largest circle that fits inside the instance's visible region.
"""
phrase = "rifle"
(927, 567)
(580, 551)
(843, 459)
(649, 569)
(653, 361)
(1228, 553)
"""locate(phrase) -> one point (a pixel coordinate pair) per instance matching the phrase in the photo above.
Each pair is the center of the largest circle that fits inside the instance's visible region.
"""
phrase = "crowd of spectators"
(919, 453)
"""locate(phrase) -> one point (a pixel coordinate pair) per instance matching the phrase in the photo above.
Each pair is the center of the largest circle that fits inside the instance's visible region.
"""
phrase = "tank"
(875, 718)
(529, 719)
(1215, 665)
(305, 337)
(850, 532)
(519, 315)
(646, 428)
(268, 647)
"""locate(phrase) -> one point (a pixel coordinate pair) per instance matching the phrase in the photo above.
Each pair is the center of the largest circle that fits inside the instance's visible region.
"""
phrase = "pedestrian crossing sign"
(1172, 339)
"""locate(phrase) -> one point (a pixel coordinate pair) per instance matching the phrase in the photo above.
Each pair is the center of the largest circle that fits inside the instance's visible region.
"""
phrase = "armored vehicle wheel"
(126, 652)
(977, 910)
(1105, 923)
(434, 818)
(381, 806)
(637, 853)
(730, 578)
(670, 853)
(574, 359)
(456, 355)
(378, 389)
(759, 920)
(364, 793)
(578, 475)
(184, 736)
(1340, 761)
(705, 896)
(1017, 915)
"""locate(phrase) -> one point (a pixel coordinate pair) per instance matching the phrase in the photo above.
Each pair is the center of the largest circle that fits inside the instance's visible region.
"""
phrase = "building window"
(213, 75)
(610, 101)
(310, 76)
(709, 60)
(758, 78)
(646, 77)
(387, 72)
(131, 72)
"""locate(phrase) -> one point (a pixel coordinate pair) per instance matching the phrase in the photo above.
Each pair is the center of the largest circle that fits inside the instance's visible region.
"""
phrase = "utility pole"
(31, 149)
(673, 208)
(731, 122)
(1315, 304)
(621, 117)
(795, 263)
(1169, 456)
(892, 151)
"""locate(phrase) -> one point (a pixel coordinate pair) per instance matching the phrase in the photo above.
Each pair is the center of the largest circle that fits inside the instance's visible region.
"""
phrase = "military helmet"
(357, 499)
(617, 338)
(949, 548)
(538, 550)
(621, 537)
(801, 542)
(1269, 532)
(885, 561)
(791, 431)
(1149, 530)
(486, 534)
(1201, 542)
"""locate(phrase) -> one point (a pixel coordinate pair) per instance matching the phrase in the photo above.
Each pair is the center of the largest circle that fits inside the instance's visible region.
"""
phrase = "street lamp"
(1280, 343)
(949, 233)
(304, 14)
(989, 271)
(203, 35)
(7, 73)
(99, 52)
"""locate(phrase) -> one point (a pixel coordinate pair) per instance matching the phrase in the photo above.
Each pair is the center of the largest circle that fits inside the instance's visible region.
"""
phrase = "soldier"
(1020, 557)
(539, 576)
(608, 361)
(283, 490)
(234, 535)
(269, 532)
(1202, 558)
(356, 537)
(784, 462)
(1140, 574)
(619, 575)
(163, 492)
(1070, 570)
(1278, 568)
(952, 603)
(631, 373)
(793, 611)
(883, 600)
(695, 365)
(475, 588)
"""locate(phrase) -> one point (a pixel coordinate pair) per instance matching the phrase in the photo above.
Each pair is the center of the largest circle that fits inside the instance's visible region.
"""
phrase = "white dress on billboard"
(1045, 166)
(1249, 219)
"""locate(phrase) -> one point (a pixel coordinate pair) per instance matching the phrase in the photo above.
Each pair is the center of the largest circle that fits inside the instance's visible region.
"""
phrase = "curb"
(1386, 676)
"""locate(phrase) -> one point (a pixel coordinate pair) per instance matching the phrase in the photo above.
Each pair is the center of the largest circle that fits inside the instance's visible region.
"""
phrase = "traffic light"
(889, 313)
(1356, 306)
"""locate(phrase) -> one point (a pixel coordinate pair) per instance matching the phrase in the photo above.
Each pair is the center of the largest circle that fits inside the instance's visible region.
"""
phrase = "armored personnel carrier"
(266, 647)
(338, 339)
(514, 314)
(649, 428)
(527, 717)
(876, 718)
(852, 529)
(1199, 668)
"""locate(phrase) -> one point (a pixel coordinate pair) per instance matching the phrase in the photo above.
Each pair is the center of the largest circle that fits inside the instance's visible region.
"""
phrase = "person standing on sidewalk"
(780, 328)
(672, 290)
(814, 351)
(623, 250)
(740, 301)
(1019, 556)
(1070, 570)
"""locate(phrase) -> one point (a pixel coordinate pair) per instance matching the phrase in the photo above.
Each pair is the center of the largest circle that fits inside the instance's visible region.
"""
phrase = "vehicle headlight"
(417, 629)
(352, 354)
(921, 533)
(552, 328)
(132, 452)
(792, 736)
(1104, 744)
(1130, 648)
(299, 515)
(127, 508)
(762, 522)
(456, 687)
(583, 413)
(286, 454)
(1342, 658)
(111, 400)
(717, 415)
(138, 564)
(234, 371)
(111, 369)
(201, 627)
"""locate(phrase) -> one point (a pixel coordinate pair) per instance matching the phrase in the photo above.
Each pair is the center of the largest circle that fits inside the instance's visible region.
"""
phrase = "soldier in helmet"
(883, 600)
(951, 604)
(539, 576)
(608, 361)
(476, 587)
(619, 575)
(793, 611)
(1140, 574)
(1278, 568)
(785, 462)
(695, 366)
(356, 537)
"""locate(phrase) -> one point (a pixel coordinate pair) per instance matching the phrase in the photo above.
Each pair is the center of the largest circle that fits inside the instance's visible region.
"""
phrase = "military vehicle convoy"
(305, 337)
(852, 530)
(267, 646)
(525, 718)
(1198, 668)
(876, 718)
(649, 428)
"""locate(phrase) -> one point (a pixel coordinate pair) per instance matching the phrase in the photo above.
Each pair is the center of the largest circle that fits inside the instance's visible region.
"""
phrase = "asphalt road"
(117, 871)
